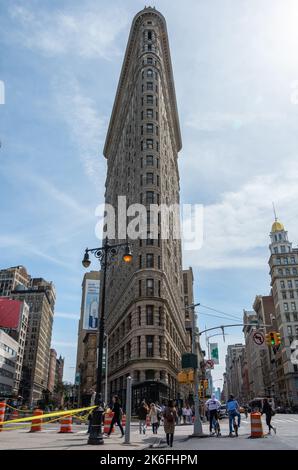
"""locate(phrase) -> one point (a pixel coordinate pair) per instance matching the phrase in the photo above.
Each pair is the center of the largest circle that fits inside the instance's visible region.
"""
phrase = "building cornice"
(124, 76)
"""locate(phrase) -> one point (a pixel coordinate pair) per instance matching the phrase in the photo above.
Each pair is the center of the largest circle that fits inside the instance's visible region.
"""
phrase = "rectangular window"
(149, 143)
(149, 286)
(149, 260)
(149, 113)
(139, 316)
(282, 284)
(140, 261)
(150, 86)
(289, 328)
(290, 285)
(284, 295)
(140, 288)
(149, 240)
(158, 262)
(287, 315)
(139, 346)
(286, 306)
(149, 162)
(292, 260)
(293, 306)
(295, 316)
(157, 180)
(149, 315)
(149, 346)
(149, 35)
(141, 180)
(149, 178)
(149, 60)
(149, 128)
(149, 197)
(296, 329)
(149, 99)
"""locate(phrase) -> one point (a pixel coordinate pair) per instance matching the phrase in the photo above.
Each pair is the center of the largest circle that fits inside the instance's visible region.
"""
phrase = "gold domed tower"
(283, 264)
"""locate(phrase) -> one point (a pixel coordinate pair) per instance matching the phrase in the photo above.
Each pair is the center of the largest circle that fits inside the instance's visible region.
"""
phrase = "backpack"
(170, 417)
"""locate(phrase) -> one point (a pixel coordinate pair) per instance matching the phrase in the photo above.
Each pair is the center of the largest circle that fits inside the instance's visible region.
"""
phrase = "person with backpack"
(212, 406)
(233, 410)
(170, 414)
(268, 411)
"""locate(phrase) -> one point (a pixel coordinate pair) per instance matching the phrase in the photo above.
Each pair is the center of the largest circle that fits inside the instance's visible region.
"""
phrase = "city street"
(50, 439)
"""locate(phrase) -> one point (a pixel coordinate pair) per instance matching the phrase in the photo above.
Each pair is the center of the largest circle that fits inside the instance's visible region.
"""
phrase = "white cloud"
(86, 126)
(214, 121)
(87, 32)
(236, 228)
(67, 316)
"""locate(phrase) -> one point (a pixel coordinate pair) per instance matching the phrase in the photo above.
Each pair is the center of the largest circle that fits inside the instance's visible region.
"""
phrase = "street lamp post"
(95, 436)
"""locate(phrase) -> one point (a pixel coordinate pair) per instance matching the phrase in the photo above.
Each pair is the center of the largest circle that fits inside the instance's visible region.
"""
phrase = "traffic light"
(277, 339)
(272, 338)
(268, 339)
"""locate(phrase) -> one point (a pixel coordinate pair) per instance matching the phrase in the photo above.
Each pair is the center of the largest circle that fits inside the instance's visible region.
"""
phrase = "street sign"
(258, 338)
(214, 352)
(209, 364)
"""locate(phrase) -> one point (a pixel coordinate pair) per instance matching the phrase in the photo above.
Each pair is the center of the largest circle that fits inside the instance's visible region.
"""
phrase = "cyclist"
(233, 410)
(212, 406)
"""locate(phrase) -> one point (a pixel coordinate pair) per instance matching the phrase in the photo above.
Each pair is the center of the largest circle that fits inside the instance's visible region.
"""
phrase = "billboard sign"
(90, 321)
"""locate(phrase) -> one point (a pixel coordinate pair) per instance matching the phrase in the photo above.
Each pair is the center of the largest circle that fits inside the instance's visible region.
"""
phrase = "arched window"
(150, 73)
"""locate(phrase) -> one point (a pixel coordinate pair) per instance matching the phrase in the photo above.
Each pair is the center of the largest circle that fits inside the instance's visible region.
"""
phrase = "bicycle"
(216, 426)
(235, 426)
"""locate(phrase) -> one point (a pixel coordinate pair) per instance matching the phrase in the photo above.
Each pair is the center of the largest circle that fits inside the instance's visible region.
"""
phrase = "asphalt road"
(49, 438)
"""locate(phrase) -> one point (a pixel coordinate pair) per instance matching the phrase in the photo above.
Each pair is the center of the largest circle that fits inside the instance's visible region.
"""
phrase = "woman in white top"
(153, 415)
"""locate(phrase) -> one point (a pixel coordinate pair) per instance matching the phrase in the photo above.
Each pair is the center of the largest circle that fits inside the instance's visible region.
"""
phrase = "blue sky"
(236, 72)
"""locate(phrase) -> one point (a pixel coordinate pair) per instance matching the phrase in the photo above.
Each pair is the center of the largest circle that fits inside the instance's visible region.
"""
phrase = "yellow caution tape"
(29, 424)
(49, 415)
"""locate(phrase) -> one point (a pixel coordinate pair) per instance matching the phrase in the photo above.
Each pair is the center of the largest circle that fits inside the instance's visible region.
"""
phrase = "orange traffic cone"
(107, 422)
(123, 421)
(66, 424)
(256, 425)
(14, 414)
(36, 423)
(2, 413)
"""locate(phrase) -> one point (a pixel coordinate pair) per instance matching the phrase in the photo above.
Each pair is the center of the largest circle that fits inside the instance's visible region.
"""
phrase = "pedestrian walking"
(142, 412)
(188, 414)
(269, 412)
(117, 410)
(153, 415)
(169, 422)
(233, 410)
(212, 406)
